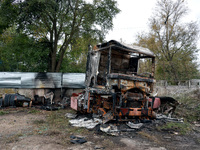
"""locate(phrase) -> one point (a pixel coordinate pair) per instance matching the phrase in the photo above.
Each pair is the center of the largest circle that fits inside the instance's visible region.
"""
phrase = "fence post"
(189, 84)
(165, 84)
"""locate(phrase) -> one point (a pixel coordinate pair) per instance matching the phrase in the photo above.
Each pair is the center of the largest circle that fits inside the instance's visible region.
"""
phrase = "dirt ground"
(36, 129)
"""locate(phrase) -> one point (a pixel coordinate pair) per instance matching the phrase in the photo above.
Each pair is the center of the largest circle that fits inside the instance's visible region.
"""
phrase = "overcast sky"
(134, 16)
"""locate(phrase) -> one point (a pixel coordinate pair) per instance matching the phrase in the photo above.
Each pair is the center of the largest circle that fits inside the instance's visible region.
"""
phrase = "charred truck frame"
(116, 88)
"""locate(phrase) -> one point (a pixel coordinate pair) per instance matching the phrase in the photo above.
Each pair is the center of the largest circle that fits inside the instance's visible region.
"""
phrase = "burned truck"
(119, 83)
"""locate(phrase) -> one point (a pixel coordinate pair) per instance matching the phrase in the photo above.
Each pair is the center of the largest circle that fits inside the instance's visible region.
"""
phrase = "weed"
(198, 140)
(13, 138)
(108, 143)
(182, 128)
(150, 137)
(38, 122)
(51, 132)
(56, 124)
(42, 129)
(189, 107)
(33, 111)
(3, 112)
(77, 130)
(57, 121)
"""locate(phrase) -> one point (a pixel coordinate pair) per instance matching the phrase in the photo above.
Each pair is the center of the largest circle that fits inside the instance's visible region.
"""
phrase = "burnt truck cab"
(117, 86)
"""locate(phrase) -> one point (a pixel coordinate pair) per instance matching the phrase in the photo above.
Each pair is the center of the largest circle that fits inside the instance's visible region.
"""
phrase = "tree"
(75, 57)
(60, 22)
(18, 52)
(172, 41)
(7, 19)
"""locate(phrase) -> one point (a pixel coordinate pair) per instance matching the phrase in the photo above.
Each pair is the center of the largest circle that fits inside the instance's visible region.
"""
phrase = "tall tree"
(8, 14)
(60, 22)
(75, 57)
(172, 40)
(18, 52)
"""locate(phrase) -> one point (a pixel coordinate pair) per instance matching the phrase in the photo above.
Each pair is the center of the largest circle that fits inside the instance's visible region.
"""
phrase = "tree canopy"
(59, 24)
(19, 52)
(172, 40)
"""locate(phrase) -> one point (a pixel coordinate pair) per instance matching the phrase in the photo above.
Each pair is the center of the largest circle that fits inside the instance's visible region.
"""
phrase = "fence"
(188, 83)
(164, 88)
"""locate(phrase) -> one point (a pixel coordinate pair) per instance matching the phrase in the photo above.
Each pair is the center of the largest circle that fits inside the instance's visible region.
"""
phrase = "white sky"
(134, 16)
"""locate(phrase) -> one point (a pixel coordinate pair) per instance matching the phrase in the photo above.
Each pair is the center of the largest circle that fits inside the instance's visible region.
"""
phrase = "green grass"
(39, 122)
(12, 138)
(181, 128)
(149, 136)
(3, 112)
(42, 129)
(33, 111)
(57, 124)
(189, 107)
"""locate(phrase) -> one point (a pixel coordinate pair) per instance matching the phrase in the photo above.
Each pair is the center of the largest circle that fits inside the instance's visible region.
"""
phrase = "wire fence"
(186, 83)
(174, 89)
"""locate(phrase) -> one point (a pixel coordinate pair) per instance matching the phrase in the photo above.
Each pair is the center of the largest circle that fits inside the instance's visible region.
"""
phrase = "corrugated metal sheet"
(73, 80)
(128, 47)
(41, 80)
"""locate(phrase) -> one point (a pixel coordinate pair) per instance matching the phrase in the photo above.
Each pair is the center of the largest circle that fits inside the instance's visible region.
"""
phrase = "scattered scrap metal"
(120, 84)
(44, 102)
(115, 128)
(77, 140)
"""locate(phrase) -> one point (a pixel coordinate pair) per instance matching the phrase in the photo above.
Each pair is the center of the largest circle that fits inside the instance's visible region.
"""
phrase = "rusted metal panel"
(156, 104)
(130, 84)
(74, 103)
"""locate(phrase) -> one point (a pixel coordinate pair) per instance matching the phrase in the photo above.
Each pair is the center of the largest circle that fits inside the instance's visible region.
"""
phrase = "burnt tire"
(6, 100)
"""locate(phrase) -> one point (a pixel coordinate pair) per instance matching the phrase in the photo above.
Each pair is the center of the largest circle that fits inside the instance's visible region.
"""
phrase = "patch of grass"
(198, 140)
(54, 123)
(77, 130)
(182, 128)
(149, 136)
(57, 125)
(108, 143)
(56, 120)
(189, 107)
(12, 138)
(52, 132)
(33, 111)
(3, 112)
(41, 130)
(39, 122)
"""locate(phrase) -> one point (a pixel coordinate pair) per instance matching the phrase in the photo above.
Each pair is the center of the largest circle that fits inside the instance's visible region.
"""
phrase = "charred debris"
(18, 100)
(15, 100)
(49, 91)
(120, 85)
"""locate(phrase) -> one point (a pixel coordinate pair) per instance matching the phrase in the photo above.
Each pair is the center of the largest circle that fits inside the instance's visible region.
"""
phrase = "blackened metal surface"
(92, 68)
(41, 80)
(130, 77)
